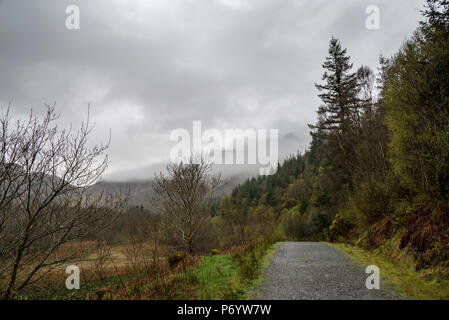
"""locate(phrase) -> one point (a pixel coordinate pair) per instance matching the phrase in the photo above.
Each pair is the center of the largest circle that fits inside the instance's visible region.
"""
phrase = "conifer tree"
(437, 14)
(338, 93)
(338, 125)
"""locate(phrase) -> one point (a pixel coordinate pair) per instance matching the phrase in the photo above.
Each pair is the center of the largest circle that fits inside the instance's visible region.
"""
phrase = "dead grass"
(427, 234)
(105, 271)
(423, 233)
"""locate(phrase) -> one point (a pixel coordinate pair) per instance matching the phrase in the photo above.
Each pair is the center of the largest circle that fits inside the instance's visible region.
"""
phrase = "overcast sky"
(150, 66)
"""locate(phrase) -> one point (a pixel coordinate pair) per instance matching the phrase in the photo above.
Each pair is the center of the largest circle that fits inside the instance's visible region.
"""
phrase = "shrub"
(339, 228)
(249, 259)
(427, 235)
(372, 200)
(175, 259)
(320, 222)
(294, 225)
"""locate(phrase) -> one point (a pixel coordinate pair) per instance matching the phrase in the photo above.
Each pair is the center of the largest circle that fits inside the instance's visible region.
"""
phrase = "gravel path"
(312, 271)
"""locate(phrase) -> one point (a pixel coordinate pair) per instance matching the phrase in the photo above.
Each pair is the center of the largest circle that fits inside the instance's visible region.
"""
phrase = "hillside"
(140, 192)
(376, 173)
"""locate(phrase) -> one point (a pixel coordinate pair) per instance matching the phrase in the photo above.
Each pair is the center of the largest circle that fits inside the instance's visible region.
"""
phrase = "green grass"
(252, 285)
(215, 276)
(212, 278)
(221, 277)
(400, 274)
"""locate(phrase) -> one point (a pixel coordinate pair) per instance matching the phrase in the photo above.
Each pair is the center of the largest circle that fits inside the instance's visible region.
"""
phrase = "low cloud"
(148, 67)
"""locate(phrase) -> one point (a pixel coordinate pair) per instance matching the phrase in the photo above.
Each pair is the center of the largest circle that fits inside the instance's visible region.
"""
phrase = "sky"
(148, 67)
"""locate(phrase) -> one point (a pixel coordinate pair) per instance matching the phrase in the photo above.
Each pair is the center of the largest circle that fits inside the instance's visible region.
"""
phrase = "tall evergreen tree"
(437, 14)
(338, 123)
(338, 93)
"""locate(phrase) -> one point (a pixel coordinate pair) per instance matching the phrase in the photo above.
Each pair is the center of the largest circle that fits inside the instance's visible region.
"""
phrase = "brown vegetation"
(427, 235)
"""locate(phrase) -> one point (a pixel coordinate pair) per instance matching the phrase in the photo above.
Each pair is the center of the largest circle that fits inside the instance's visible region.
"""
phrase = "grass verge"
(217, 277)
(401, 275)
(232, 276)
(253, 284)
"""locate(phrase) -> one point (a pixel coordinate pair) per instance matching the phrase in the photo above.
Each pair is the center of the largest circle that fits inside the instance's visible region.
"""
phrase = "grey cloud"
(148, 67)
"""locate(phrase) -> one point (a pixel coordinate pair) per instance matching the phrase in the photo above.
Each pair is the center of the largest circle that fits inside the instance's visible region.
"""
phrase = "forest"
(377, 169)
(375, 176)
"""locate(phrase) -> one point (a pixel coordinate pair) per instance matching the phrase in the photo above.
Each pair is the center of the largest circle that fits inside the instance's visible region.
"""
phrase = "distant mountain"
(139, 180)
(141, 191)
(291, 141)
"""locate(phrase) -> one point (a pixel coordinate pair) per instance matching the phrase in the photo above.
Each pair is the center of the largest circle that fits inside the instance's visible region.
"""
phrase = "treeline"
(376, 174)
(377, 169)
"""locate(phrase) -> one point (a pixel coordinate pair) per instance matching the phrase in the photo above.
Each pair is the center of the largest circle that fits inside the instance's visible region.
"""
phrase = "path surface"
(312, 271)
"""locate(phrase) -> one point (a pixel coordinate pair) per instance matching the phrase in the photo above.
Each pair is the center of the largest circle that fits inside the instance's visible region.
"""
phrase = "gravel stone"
(315, 271)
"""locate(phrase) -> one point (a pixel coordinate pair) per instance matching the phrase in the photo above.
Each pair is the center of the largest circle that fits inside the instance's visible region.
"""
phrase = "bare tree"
(182, 197)
(45, 173)
(152, 234)
(99, 266)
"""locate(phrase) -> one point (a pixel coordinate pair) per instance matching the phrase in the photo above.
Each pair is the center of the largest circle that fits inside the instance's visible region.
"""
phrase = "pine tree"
(437, 14)
(338, 93)
(338, 126)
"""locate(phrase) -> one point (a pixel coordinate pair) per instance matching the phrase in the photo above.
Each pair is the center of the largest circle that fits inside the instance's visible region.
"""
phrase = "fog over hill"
(288, 144)
(141, 190)
(138, 181)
